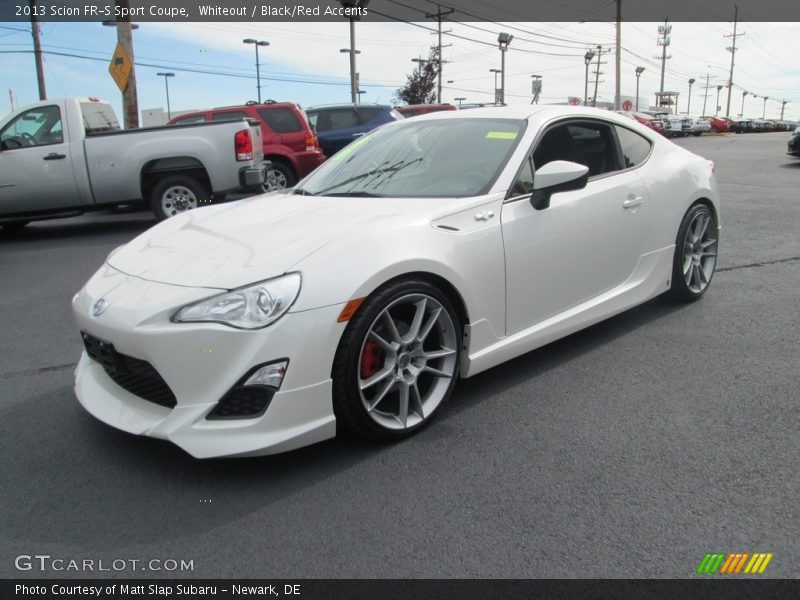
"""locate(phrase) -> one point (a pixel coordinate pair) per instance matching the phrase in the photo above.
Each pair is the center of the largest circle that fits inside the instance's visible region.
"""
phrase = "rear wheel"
(397, 361)
(280, 177)
(695, 254)
(177, 194)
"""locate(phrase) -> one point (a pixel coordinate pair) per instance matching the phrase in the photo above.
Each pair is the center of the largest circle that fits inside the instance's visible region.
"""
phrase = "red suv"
(289, 142)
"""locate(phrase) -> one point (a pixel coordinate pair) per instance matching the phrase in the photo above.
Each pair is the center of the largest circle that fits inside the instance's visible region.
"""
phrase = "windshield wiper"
(302, 192)
(356, 195)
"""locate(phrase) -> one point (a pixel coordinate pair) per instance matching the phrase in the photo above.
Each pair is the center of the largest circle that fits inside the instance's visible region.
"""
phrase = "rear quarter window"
(190, 120)
(231, 115)
(281, 120)
(635, 148)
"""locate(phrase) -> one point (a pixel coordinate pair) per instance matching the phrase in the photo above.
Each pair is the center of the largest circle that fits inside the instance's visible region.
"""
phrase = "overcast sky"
(303, 62)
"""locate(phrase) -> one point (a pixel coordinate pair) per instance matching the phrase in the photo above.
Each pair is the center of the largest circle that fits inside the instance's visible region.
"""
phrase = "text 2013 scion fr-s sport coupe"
(428, 250)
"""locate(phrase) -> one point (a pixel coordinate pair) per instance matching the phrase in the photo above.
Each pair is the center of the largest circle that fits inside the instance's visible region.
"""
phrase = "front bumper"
(200, 363)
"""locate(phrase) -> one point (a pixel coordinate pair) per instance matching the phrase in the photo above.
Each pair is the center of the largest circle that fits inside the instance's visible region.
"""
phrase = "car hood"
(238, 243)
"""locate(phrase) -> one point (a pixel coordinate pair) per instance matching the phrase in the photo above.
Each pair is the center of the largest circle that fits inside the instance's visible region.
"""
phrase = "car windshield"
(428, 158)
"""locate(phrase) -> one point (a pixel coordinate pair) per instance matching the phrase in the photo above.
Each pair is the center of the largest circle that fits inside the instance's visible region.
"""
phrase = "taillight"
(243, 144)
(311, 142)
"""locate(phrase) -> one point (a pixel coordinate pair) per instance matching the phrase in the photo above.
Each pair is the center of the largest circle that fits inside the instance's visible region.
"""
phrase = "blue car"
(339, 124)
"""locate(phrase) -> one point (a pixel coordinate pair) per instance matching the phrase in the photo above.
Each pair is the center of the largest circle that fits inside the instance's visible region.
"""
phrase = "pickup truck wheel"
(279, 177)
(177, 194)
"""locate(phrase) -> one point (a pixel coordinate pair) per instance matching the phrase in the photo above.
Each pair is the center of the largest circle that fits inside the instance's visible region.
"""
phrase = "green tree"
(420, 87)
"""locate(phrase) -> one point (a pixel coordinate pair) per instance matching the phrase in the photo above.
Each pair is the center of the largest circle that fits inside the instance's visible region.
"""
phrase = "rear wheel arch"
(154, 171)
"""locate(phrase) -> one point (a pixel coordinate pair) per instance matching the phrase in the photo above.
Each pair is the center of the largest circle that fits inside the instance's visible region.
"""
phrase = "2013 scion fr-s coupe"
(428, 250)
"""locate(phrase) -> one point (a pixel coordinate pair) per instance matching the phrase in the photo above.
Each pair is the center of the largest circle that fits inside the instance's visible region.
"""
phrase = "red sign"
(573, 101)
(627, 105)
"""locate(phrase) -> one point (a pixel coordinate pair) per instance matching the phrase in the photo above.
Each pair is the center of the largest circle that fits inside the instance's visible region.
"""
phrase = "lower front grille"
(243, 402)
(137, 376)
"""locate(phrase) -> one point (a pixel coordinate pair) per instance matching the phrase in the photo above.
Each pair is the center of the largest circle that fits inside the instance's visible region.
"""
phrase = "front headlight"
(250, 307)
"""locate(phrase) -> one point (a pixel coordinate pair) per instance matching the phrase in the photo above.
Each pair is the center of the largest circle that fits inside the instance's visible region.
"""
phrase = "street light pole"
(503, 40)
(495, 71)
(716, 110)
(743, 97)
(257, 43)
(587, 59)
(166, 77)
(359, 5)
(689, 102)
(764, 114)
(639, 71)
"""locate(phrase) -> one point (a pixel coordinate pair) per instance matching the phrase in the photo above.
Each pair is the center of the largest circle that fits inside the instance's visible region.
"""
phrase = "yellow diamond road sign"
(120, 67)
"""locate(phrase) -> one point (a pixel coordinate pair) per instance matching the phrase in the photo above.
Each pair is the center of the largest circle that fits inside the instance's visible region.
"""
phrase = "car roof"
(350, 105)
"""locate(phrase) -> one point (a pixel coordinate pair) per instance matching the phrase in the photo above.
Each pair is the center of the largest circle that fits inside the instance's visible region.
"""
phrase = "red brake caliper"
(372, 359)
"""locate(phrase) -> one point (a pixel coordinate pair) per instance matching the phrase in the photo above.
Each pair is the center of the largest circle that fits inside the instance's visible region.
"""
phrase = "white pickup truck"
(63, 157)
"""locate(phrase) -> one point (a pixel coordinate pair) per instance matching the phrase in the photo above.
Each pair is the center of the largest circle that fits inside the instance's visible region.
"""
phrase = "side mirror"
(557, 176)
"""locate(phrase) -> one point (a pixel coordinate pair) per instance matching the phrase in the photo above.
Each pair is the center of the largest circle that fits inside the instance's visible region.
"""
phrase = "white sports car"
(428, 250)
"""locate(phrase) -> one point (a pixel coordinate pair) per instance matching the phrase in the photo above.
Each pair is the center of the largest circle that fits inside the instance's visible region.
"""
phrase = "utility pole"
(732, 50)
(705, 96)
(438, 16)
(783, 106)
(618, 61)
(130, 102)
(663, 41)
(37, 51)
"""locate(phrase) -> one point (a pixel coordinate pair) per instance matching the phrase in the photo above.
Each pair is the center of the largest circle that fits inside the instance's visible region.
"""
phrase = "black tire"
(187, 193)
(349, 408)
(700, 279)
(698, 133)
(282, 177)
(11, 226)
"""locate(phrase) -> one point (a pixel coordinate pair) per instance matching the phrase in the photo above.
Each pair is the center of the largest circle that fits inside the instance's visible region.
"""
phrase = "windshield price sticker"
(501, 135)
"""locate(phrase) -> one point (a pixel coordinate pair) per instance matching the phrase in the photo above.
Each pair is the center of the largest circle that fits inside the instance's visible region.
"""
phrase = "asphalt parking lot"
(630, 449)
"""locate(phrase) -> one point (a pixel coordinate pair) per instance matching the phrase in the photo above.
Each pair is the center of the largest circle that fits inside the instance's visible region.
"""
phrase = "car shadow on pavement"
(99, 225)
(791, 165)
(119, 489)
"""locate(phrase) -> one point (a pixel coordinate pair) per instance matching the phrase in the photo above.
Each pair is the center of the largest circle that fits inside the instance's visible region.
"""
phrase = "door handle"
(632, 202)
(54, 156)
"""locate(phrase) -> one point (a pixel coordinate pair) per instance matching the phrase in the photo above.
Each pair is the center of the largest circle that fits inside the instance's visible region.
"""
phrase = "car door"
(587, 241)
(36, 163)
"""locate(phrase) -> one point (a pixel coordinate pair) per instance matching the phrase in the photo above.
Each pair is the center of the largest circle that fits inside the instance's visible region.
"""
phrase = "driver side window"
(36, 127)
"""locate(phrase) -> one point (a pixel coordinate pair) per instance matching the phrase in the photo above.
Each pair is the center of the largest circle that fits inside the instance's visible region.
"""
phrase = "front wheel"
(177, 194)
(397, 361)
(695, 254)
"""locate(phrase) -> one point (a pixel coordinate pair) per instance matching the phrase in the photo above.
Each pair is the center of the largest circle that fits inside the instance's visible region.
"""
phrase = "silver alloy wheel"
(177, 199)
(699, 252)
(275, 180)
(411, 355)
